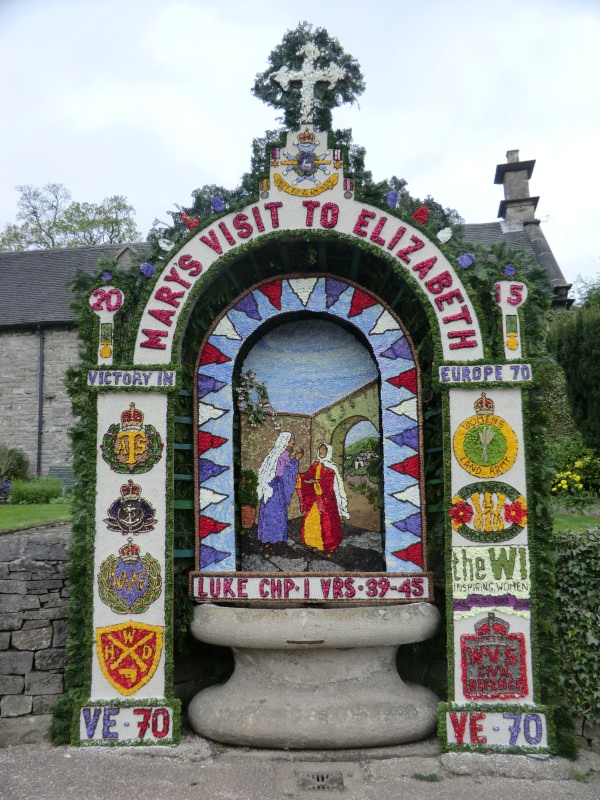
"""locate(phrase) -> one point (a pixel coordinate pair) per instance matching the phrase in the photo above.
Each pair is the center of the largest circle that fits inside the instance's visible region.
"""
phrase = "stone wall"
(587, 735)
(33, 630)
(19, 367)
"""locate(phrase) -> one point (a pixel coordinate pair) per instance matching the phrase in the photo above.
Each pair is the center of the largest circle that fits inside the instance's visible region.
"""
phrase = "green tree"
(287, 55)
(574, 339)
(48, 218)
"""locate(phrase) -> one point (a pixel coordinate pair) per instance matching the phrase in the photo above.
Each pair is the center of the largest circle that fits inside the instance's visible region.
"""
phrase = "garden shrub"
(574, 339)
(13, 462)
(577, 484)
(40, 490)
(578, 578)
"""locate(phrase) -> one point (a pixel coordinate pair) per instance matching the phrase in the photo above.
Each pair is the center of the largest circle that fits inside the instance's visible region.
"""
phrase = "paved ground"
(199, 770)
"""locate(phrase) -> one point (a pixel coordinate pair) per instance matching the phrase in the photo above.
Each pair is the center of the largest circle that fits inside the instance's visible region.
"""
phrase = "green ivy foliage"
(578, 576)
(575, 341)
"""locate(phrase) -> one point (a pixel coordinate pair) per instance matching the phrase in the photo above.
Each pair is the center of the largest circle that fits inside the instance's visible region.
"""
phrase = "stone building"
(38, 341)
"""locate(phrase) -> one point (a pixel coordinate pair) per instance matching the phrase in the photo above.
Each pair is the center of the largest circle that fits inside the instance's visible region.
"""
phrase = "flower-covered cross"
(308, 76)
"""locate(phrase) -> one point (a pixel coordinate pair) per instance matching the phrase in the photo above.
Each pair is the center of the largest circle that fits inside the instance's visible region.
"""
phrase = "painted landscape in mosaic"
(317, 458)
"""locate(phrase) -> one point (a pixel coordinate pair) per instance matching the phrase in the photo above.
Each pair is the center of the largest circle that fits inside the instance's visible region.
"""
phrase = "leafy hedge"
(574, 338)
(40, 490)
(578, 578)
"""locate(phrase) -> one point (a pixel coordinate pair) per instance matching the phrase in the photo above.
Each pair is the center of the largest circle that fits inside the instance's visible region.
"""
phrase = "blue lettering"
(499, 372)
(92, 375)
(466, 375)
(147, 376)
(137, 379)
(445, 374)
(476, 374)
(126, 378)
(168, 378)
(487, 372)
(108, 722)
(91, 722)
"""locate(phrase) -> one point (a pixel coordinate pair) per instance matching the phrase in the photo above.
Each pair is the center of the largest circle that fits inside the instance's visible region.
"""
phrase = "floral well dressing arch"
(400, 411)
(489, 588)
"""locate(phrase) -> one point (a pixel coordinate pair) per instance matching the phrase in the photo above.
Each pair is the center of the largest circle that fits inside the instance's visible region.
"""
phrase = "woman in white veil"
(338, 484)
(276, 482)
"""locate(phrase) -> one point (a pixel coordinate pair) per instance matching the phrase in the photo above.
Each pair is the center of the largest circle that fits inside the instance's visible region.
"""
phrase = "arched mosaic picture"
(323, 380)
(316, 458)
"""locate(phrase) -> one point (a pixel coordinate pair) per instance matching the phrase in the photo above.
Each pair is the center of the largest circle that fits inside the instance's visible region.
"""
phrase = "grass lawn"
(16, 518)
(574, 522)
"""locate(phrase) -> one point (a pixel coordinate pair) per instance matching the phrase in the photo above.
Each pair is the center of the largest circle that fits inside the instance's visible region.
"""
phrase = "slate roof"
(489, 233)
(33, 283)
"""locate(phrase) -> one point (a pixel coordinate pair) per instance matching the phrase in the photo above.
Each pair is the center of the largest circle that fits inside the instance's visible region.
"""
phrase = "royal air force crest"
(130, 513)
(131, 446)
(129, 583)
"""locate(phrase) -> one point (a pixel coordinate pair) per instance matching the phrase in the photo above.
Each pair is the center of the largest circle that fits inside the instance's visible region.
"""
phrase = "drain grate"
(321, 781)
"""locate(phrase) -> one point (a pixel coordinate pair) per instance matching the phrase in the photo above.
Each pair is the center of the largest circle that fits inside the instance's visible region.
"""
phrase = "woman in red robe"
(322, 500)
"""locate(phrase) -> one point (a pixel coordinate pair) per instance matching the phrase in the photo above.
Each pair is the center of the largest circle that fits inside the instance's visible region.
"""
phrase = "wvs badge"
(128, 654)
(129, 584)
(130, 513)
(131, 446)
(493, 661)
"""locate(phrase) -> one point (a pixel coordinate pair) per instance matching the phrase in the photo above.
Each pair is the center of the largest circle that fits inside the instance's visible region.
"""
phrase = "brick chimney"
(517, 212)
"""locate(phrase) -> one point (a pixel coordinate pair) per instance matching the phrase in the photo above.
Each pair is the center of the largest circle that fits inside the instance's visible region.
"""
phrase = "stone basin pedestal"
(309, 678)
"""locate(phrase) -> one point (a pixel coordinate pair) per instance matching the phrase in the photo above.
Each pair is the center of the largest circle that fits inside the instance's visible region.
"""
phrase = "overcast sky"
(151, 99)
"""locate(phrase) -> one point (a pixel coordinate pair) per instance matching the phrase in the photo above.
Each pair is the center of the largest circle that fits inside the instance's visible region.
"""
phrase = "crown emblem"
(306, 137)
(132, 419)
(484, 404)
(493, 629)
(130, 552)
(131, 491)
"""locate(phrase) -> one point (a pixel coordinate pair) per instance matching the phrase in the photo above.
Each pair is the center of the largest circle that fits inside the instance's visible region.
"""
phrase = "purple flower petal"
(391, 198)
(510, 270)
(217, 204)
(107, 277)
(465, 260)
(147, 269)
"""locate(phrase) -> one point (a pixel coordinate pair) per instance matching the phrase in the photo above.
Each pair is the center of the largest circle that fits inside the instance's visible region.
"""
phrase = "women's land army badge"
(485, 445)
(128, 654)
(128, 583)
(131, 446)
(130, 513)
